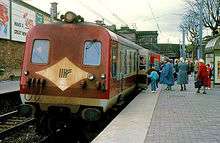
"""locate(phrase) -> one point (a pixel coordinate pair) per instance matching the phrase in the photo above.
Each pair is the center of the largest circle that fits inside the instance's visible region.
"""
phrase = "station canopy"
(213, 44)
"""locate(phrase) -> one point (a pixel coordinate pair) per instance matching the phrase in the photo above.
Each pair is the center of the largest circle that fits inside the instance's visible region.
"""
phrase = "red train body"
(82, 67)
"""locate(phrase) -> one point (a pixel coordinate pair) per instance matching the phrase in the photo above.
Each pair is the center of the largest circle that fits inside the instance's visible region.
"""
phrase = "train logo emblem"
(63, 73)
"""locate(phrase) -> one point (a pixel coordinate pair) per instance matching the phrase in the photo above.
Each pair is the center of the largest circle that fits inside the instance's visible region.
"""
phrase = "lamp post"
(199, 51)
(183, 45)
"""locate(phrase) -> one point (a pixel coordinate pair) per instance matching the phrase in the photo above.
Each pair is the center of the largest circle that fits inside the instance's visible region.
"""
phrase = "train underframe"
(53, 116)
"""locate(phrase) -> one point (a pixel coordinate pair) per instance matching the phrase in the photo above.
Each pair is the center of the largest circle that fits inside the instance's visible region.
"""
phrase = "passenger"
(142, 63)
(209, 69)
(190, 68)
(166, 76)
(202, 75)
(182, 78)
(154, 77)
(148, 73)
(196, 66)
(176, 69)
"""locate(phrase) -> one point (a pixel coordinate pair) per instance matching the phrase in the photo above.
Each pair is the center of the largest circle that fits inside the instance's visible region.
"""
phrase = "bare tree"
(210, 12)
(190, 24)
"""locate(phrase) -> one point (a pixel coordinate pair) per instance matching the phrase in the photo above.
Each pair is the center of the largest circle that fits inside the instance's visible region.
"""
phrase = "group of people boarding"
(179, 72)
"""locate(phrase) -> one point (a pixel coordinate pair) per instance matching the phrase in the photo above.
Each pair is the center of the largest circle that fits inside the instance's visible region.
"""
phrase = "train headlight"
(69, 16)
(90, 76)
(26, 73)
(103, 76)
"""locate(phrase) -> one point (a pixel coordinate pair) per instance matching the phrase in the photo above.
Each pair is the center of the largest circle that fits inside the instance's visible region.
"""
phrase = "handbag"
(198, 84)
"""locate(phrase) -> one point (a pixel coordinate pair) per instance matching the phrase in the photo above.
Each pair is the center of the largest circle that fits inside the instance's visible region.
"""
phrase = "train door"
(143, 67)
(115, 71)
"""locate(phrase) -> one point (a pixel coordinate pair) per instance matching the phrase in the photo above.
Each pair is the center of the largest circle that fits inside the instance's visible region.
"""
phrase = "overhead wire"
(96, 13)
(112, 13)
(155, 19)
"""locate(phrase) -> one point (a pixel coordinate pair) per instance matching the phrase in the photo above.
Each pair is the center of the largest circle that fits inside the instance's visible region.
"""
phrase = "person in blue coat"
(154, 77)
(167, 74)
(182, 76)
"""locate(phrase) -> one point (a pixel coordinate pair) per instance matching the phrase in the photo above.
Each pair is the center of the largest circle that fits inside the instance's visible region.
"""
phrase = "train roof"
(113, 35)
(122, 40)
(116, 37)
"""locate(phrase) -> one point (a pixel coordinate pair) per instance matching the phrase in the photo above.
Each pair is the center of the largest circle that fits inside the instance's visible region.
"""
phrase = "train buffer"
(167, 116)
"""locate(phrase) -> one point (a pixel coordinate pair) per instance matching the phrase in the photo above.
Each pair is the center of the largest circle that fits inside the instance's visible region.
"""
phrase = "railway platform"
(9, 86)
(167, 117)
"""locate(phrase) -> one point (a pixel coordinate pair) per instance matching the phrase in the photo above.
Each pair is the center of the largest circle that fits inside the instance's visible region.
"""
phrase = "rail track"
(12, 121)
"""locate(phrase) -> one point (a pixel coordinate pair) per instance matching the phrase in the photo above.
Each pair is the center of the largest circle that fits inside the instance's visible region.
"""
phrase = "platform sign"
(23, 19)
(5, 19)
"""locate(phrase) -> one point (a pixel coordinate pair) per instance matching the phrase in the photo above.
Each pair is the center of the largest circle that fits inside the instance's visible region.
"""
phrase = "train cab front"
(64, 70)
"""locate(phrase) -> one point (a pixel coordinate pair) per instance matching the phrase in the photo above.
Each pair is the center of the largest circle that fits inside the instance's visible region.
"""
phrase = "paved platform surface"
(186, 117)
(132, 124)
(167, 117)
(9, 86)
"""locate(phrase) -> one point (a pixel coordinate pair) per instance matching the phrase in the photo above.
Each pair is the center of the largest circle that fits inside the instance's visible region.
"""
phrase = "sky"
(163, 16)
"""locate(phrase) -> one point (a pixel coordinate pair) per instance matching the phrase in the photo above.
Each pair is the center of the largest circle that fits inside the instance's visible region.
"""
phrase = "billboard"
(5, 19)
(23, 19)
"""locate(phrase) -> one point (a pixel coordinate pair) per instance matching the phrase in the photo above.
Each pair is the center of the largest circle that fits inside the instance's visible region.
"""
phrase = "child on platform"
(154, 77)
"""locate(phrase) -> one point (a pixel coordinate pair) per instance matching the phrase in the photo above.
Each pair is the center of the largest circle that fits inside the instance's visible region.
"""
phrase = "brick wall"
(11, 53)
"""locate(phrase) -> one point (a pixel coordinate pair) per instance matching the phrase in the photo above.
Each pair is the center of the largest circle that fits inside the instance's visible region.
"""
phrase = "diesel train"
(83, 68)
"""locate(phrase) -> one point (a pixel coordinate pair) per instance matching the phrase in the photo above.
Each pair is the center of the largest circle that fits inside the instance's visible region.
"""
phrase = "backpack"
(155, 75)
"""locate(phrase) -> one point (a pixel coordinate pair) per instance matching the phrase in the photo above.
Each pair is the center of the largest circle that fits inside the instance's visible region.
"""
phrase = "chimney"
(53, 11)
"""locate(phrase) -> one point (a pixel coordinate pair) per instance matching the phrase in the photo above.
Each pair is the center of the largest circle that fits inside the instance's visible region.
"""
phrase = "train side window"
(135, 61)
(92, 53)
(128, 64)
(114, 62)
(132, 62)
(142, 65)
(40, 52)
(125, 62)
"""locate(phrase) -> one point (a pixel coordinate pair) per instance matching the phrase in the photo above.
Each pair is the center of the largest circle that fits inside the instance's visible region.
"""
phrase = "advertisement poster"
(39, 18)
(42, 19)
(23, 19)
(47, 20)
(4, 19)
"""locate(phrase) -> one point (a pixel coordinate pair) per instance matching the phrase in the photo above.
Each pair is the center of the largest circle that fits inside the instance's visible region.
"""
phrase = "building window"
(92, 53)
(40, 52)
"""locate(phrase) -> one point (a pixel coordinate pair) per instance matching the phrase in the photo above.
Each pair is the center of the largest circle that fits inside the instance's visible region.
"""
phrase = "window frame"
(100, 62)
(126, 48)
(114, 52)
(49, 50)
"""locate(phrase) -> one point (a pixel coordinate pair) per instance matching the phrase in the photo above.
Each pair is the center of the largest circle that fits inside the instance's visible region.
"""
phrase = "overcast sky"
(148, 15)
